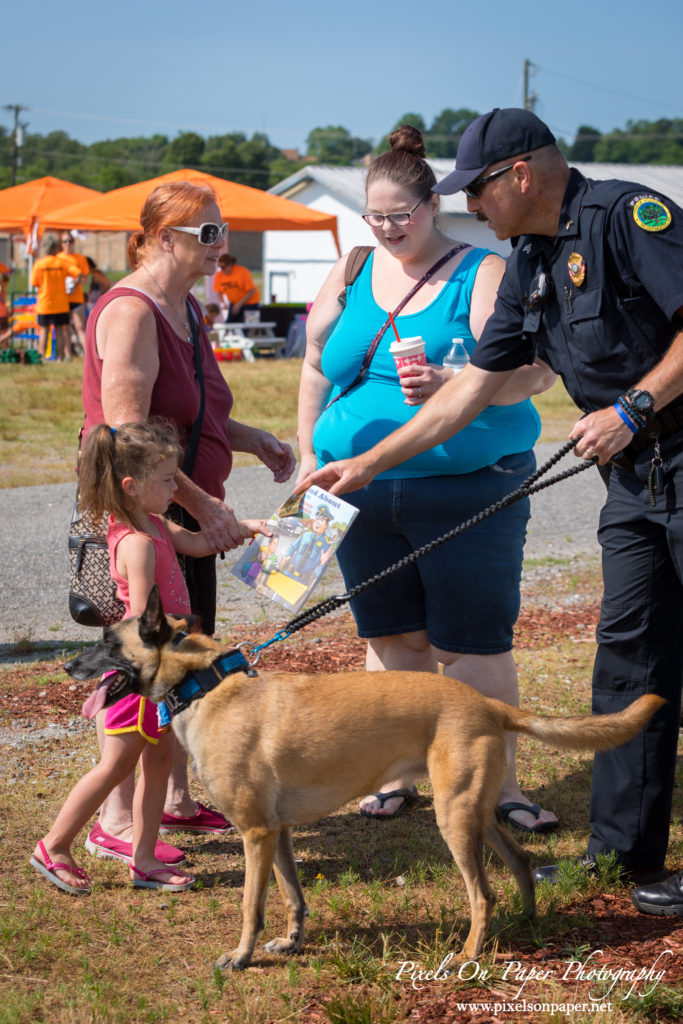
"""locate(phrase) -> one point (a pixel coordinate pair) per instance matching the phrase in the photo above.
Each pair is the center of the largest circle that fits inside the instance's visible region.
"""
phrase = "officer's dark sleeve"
(654, 258)
(503, 345)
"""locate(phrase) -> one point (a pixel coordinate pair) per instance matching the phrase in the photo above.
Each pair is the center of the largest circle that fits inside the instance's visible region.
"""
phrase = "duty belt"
(668, 421)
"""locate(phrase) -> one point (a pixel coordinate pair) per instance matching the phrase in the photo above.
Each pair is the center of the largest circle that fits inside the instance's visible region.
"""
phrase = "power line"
(605, 88)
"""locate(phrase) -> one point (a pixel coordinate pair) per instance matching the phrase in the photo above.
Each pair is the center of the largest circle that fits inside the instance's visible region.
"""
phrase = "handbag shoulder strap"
(367, 359)
(355, 261)
(193, 442)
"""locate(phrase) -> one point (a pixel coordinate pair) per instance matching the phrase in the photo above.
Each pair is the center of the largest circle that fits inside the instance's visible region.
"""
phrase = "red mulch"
(617, 939)
(332, 649)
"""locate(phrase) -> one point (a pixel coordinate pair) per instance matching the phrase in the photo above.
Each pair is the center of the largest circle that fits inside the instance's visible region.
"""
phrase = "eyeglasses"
(207, 234)
(474, 190)
(399, 220)
(67, 241)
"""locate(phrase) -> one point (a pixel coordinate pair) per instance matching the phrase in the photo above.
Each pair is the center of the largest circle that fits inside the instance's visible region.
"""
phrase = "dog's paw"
(284, 947)
(234, 961)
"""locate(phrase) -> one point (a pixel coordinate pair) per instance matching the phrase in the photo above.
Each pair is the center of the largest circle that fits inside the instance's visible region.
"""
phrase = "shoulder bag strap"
(355, 261)
(193, 442)
(367, 359)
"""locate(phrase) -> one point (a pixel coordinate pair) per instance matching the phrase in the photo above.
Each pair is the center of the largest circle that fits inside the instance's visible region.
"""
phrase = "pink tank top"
(167, 573)
(175, 394)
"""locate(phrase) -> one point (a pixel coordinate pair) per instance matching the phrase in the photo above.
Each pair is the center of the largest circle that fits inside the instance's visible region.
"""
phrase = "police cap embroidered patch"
(651, 214)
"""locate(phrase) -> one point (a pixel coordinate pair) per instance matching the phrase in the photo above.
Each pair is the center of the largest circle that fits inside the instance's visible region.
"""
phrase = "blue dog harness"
(196, 684)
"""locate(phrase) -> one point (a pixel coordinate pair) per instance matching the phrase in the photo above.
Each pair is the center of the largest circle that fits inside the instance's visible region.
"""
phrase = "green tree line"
(255, 161)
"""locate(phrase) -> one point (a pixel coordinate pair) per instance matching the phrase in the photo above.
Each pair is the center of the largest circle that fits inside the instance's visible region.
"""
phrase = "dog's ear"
(153, 627)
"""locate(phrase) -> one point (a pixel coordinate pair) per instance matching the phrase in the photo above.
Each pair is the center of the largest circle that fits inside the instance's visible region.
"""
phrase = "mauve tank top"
(175, 394)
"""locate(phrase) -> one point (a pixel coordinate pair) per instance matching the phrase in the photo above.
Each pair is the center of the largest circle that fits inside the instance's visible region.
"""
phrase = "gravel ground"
(34, 562)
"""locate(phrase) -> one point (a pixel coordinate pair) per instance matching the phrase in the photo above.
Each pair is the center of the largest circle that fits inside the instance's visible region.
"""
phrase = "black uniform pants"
(640, 650)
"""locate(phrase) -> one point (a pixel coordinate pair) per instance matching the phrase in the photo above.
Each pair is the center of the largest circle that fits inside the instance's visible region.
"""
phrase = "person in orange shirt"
(52, 304)
(76, 275)
(235, 287)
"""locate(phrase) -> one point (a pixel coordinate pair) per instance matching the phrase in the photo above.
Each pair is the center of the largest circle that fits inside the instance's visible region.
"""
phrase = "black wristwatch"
(642, 402)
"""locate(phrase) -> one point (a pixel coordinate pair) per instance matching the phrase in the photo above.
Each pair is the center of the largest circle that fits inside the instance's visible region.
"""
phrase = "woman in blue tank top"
(458, 605)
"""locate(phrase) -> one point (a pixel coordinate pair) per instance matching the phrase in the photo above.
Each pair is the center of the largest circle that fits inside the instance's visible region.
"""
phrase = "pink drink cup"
(408, 352)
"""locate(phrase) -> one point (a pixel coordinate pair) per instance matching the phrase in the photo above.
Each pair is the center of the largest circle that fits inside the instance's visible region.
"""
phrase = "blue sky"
(100, 71)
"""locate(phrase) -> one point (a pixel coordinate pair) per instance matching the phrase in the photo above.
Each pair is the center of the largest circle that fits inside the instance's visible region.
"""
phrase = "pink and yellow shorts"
(133, 714)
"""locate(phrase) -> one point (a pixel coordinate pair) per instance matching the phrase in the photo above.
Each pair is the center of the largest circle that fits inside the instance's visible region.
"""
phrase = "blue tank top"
(376, 407)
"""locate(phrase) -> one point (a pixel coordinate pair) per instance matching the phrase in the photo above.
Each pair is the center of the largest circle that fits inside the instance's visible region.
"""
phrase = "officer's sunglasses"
(207, 234)
(474, 190)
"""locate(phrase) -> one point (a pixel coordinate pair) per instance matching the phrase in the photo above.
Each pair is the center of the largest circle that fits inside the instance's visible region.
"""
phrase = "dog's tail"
(590, 732)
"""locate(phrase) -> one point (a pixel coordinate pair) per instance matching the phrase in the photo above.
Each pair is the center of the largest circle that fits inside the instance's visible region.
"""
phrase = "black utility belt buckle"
(622, 460)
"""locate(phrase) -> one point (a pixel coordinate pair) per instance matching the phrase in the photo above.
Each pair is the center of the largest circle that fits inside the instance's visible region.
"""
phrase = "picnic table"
(252, 339)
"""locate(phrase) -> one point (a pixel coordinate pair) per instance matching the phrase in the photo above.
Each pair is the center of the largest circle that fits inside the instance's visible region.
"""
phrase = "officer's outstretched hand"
(600, 434)
(340, 477)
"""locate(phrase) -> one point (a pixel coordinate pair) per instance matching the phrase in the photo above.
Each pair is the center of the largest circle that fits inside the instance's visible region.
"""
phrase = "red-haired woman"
(139, 362)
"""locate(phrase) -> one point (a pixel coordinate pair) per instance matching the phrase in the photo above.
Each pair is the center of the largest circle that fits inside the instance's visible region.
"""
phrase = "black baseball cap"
(502, 133)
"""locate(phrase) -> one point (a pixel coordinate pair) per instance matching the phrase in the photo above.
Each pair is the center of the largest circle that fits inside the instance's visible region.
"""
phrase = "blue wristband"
(627, 419)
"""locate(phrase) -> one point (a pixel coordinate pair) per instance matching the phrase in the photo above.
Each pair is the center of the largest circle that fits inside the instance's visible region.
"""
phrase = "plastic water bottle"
(456, 358)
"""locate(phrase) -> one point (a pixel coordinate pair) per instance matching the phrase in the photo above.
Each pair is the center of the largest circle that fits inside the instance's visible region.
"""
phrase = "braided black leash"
(529, 486)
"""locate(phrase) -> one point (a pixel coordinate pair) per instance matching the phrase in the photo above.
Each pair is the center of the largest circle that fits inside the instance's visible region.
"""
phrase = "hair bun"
(409, 139)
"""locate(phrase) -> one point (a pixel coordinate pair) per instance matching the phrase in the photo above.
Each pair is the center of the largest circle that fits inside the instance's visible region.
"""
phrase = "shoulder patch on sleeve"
(650, 213)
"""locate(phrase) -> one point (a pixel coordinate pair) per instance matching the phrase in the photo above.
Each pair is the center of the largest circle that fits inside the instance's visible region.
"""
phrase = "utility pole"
(17, 142)
(17, 136)
(529, 97)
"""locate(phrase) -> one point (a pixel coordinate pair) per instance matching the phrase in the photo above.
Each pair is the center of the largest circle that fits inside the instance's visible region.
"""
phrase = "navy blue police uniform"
(599, 303)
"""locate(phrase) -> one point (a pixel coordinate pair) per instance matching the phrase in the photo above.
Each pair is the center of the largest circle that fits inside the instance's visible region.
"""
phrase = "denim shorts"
(465, 593)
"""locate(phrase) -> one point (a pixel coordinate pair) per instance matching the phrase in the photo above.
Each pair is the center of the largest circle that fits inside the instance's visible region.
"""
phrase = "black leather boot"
(664, 898)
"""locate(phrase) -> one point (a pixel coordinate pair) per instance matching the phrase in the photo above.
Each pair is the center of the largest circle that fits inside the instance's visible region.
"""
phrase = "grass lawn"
(379, 894)
(41, 414)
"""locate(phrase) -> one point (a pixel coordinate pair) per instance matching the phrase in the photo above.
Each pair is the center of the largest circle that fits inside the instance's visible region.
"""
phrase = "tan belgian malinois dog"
(279, 749)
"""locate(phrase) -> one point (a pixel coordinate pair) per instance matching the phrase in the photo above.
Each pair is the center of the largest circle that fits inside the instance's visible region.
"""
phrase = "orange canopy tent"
(22, 207)
(245, 209)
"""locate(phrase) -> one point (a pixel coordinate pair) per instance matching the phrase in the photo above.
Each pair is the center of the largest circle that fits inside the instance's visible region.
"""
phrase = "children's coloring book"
(307, 530)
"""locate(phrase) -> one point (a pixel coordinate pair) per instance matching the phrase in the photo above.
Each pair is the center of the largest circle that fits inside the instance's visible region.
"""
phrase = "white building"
(295, 263)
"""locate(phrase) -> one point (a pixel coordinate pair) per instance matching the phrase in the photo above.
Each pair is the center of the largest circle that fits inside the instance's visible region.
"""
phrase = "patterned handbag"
(92, 591)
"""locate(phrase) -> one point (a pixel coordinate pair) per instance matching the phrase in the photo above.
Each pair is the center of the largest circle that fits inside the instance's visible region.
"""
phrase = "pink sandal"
(49, 869)
(147, 880)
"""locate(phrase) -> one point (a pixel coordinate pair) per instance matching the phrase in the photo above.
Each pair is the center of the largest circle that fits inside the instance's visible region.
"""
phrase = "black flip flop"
(409, 797)
(504, 812)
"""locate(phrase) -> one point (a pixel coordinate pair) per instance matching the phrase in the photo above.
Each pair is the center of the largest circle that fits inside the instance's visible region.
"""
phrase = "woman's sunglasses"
(207, 234)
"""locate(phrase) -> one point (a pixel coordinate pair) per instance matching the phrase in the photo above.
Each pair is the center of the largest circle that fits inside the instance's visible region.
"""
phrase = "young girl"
(131, 472)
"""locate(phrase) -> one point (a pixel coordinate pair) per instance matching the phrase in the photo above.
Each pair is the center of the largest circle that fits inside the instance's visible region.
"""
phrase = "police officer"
(311, 551)
(594, 286)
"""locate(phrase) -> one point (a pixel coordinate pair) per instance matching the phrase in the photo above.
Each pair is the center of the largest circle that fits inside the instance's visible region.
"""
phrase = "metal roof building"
(295, 264)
